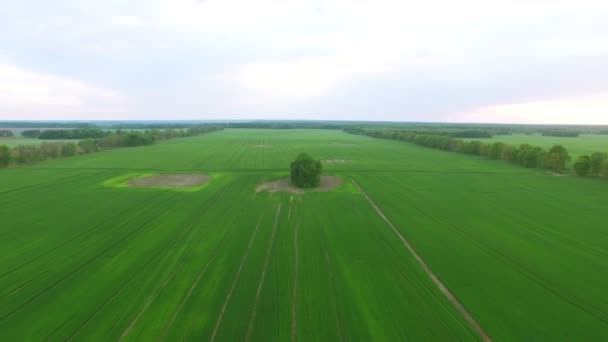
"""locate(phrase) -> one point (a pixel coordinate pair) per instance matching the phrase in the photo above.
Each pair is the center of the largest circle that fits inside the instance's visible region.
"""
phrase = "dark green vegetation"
(305, 171)
(555, 158)
(93, 140)
(525, 252)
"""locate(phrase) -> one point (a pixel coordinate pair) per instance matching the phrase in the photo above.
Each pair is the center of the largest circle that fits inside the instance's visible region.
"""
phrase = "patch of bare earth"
(284, 185)
(335, 161)
(175, 181)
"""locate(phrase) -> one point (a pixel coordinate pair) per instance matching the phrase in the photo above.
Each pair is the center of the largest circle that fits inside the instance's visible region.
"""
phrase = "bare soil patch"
(336, 161)
(284, 185)
(176, 181)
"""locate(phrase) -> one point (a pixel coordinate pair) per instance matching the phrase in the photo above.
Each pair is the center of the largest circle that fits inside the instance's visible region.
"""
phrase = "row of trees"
(568, 133)
(554, 159)
(25, 154)
(6, 133)
(594, 165)
(31, 133)
(80, 133)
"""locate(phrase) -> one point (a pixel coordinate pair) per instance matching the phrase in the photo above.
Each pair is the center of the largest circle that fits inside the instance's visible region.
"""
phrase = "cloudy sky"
(531, 61)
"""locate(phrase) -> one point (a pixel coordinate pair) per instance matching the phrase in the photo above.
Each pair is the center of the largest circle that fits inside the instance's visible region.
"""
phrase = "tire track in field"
(194, 285)
(263, 276)
(334, 291)
(294, 294)
(157, 291)
(235, 281)
(108, 234)
(52, 182)
(129, 209)
(449, 295)
(177, 240)
(89, 261)
(537, 279)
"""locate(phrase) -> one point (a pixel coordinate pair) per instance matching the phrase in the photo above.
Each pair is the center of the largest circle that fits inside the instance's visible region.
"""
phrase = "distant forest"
(454, 130)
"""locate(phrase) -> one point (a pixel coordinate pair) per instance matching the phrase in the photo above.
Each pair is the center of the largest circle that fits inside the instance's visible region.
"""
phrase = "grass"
(87, 258)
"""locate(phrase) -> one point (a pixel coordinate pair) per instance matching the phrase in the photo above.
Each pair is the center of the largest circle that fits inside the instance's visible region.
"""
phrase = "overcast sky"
(531, 61)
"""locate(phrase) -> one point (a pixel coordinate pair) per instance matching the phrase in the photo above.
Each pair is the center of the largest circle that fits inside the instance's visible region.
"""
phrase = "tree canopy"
(5, 156)
(597, 160)
(582, 166)
(306, 171)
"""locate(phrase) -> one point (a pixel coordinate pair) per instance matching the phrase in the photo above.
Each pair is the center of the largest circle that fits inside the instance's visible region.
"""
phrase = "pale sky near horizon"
(532, 61)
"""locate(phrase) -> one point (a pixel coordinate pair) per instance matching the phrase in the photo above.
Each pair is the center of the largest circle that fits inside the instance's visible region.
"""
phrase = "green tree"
(496, 150)
(605, 169)
(6, 133)
(68, 150)
(557, 158)
(306, 171)
(597, 160)
(582, 165)
(88, 145)
(5, 156)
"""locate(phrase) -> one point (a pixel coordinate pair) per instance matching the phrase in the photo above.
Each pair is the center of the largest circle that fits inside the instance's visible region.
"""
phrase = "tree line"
(25, 154)
(6, 133)
(555, 159)
(566, 133)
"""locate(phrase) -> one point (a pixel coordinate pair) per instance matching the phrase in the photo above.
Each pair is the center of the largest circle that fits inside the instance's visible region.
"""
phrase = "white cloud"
(284, 56)
(589, 109)
(29, 95)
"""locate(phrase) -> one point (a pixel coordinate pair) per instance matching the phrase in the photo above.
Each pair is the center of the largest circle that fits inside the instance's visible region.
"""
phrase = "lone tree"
(305, 171)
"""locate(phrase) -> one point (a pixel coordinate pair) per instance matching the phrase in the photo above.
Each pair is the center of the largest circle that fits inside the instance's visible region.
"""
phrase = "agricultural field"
(414, 244)
(581, 145)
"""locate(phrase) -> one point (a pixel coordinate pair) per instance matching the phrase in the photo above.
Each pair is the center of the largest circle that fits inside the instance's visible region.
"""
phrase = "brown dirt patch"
(176, 181)
(336, 161)
(284, 184)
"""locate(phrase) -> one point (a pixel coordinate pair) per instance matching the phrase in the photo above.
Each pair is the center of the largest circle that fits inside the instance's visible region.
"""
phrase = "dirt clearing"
(284, 184)
(174, 181)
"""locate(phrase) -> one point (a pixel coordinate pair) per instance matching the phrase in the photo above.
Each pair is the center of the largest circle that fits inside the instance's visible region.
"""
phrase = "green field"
(86, 258)
(584, 144)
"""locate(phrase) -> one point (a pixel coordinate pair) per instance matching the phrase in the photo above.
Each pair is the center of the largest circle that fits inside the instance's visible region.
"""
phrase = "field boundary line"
(263, 276)
(263, 170)
(235, 281)
(444, 289)
(295, 284)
